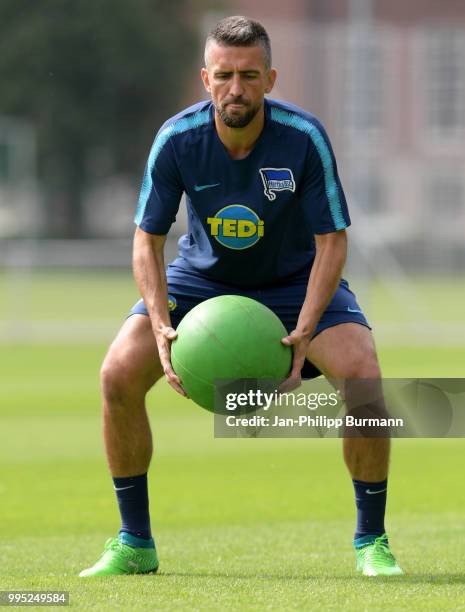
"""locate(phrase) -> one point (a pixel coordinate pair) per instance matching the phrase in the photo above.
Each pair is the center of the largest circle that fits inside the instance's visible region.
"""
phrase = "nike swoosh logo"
(123, 488)
(349, 309)
(202, 187)
(368, 492)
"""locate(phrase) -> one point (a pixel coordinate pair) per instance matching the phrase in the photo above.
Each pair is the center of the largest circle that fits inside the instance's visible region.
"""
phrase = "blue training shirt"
(251, 222)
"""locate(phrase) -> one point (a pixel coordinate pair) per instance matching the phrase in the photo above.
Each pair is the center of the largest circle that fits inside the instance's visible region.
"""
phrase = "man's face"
(237, 80)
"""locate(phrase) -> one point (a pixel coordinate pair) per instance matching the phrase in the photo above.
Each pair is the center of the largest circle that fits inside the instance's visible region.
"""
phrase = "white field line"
(419, 333)
(60, 332)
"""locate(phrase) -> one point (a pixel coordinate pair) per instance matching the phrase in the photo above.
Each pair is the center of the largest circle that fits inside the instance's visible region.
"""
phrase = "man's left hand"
(300, 342)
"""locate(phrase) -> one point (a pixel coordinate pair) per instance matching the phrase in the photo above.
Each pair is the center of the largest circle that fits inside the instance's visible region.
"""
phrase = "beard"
(237, 119)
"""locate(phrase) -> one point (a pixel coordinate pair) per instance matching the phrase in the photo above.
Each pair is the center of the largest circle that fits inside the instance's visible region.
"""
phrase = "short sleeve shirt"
(251, 222)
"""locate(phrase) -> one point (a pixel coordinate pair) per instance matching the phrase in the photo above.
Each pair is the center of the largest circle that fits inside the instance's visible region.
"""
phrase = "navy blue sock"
(370, 498)
(133, 502)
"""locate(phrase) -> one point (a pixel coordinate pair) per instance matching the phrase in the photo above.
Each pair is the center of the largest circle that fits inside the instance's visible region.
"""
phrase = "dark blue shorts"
(187, 288)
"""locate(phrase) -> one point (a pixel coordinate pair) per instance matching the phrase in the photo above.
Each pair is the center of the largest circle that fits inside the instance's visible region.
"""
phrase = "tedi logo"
(236, 227)
(172, 303)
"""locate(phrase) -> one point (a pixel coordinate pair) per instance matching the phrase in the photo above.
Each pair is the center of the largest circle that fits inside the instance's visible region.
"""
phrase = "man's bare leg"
(345, 352)
(131, 367)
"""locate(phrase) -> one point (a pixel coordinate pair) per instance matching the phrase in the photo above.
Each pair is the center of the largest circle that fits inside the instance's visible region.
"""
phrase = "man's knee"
(131, 366)
(114, 381)
(363, 363)
(362, 360)
(121, 382)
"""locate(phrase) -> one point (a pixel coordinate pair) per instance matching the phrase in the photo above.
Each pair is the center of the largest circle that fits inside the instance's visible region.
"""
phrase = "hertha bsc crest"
(277, 179)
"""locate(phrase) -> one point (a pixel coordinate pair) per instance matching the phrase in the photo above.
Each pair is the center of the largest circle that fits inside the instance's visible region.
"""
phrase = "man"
(267, 219)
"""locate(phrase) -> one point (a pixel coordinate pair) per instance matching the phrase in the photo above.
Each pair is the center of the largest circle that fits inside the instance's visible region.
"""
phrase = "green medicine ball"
(228, 337)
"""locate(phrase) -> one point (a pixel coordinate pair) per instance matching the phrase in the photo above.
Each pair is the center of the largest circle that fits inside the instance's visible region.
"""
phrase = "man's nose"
(236, 86)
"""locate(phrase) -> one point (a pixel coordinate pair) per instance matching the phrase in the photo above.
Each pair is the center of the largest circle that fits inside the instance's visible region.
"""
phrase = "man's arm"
(331, 253)
(149, 271)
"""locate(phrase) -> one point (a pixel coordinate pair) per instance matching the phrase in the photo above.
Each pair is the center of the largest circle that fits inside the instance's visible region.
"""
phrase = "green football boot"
(119, 558)
(376, 559)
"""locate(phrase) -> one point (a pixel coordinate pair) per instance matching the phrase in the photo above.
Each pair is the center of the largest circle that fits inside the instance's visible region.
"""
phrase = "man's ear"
(205, 79)
(271, 80)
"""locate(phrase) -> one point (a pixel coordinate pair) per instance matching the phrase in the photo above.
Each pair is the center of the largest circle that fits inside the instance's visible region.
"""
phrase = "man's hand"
(164, 337)
(299, 342)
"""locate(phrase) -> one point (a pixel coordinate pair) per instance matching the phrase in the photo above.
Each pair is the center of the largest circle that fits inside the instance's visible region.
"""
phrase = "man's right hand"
(164, 337)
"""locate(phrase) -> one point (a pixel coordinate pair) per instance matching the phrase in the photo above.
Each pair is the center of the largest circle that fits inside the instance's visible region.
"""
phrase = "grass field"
(240, 523)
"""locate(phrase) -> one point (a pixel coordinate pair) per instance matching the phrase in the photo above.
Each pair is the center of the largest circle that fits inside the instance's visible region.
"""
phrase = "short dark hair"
(239, 31)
